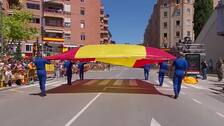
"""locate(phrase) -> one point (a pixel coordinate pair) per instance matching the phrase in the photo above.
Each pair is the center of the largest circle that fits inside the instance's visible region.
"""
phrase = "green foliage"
(203, 10)
(18, 53)
(16, 27)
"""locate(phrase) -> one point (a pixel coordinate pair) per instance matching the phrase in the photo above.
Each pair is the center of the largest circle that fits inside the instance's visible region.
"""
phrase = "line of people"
(40, 64)
(180, 65)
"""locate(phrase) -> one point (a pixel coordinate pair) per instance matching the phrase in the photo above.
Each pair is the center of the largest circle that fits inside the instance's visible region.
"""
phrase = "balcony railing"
(53, 39)
(54, 25)
(56, 11)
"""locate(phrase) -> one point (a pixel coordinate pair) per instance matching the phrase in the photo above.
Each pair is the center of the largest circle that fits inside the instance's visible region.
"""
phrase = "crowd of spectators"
(23, 72)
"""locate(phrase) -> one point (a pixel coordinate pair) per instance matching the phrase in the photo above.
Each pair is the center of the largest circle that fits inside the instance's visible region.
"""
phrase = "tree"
(203, 10)
(16, 28)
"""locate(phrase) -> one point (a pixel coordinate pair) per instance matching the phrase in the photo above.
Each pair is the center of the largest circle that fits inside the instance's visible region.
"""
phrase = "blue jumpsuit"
(81, 70)
(162, 71)
(181, 66)
(68, 66)
(41, 73)
(146, 71)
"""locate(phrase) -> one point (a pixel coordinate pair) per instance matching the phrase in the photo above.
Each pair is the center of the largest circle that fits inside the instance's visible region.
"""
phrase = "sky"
(128, 19)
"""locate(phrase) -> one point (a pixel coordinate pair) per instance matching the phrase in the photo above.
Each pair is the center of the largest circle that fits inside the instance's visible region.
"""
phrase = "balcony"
(54, 9)
(49, 39)
(53, 36)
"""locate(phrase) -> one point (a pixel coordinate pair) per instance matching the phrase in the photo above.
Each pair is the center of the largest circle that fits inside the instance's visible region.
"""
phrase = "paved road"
(113, 98)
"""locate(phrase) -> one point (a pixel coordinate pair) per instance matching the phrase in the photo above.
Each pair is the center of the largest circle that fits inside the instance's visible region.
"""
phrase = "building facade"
(171, 21)
(66, 23)
(212, 35)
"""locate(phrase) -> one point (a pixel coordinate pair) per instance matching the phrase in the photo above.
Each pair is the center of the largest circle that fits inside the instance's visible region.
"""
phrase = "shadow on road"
(108, 86)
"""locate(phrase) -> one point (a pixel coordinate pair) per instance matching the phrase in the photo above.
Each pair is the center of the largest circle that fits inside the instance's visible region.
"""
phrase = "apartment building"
(171, 21)
(66, 23)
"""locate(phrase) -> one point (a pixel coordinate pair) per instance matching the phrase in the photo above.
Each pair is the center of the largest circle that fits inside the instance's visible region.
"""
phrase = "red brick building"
(67, 23)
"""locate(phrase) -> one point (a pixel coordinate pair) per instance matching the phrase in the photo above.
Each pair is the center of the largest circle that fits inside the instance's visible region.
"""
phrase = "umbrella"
(117, 54)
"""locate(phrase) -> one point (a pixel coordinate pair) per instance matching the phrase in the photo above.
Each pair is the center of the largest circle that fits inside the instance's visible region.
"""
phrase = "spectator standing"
(219, 69)
(204, 69)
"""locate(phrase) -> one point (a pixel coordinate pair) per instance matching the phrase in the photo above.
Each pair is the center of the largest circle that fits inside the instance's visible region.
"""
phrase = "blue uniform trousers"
(81, 75)
(177, 80)
(161, 78)
(69, 78)
(42, 80)
(146, 74)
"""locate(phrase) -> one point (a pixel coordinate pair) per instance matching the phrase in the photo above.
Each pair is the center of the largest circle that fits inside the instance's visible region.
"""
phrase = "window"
(188, 33)
(82, 1)
(67, 36)
(165, 35)
(178, 23)
(82, 24)
(188, 1)
(82, 11)
(177, 12)
(177, 1)
(177, 34)
(28, 47)
(165, 25)
(165, 14)
(165, 4)
(67, 24)
(188, 10)
(33, 6)
(82, 36)
(36, 20)
(189, 22)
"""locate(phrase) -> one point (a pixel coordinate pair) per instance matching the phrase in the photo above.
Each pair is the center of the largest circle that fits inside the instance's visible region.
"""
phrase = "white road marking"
(47, 83)
(127, 88)
(196, 86)
(154, 123)
(83, 109)
(170, 82)
(182, 93)
(164, 84)
(17, 91)
(90, 82)
(133, 83)
(118, 83)
(104, 82)
(56, 85)
(195, 100)
(182, 86)
(220, 114)
(157, 82)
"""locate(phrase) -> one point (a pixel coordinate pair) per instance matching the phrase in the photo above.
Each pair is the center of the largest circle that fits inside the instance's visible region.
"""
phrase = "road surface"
(119, 97)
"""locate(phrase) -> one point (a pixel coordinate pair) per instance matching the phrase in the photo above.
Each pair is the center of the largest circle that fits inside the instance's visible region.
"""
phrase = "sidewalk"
(49, 77)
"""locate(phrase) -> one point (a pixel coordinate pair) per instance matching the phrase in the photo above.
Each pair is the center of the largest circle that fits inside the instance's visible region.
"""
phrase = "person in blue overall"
(163, 67)
(81, 70)
(41, 73)
(181, 66)
(146, 71)
(68, 65)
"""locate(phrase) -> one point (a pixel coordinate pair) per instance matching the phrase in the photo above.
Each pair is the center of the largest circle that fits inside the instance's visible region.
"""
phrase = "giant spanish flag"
(117, 54)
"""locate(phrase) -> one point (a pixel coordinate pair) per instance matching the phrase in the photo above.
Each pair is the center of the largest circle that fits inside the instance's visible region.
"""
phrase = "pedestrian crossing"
(132, 83)
(118, 83)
